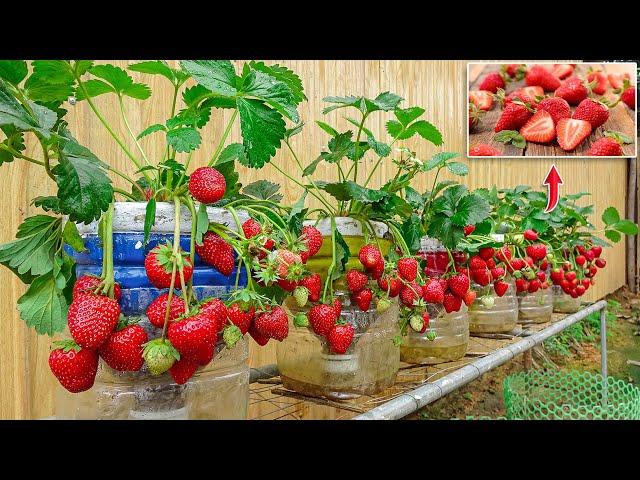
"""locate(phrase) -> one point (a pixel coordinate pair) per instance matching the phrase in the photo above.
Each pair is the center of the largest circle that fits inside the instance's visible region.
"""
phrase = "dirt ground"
(483, 398)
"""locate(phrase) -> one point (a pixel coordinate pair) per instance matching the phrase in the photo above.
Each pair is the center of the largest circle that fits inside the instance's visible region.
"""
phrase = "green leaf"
(612, 235)
(48, 204)
(427, 131)
(13, 71)
(13, 113)
(610, 216)
(619, 137)
(262, 131)
(341, 102)
(72, 237)
(471, 209)
(458, 168)
(414, 198)
(275, 93)
(157, 127)
(510, 136)
(93, 88)
(327, 128)
(31, 253)
(184, 139)
(442, 228)
(194, 95)
(342, 254)
(231, 177)
(263, 190)
(285, 75)
(295, 219)
(311, 168)
(233, 151)
(51, 80)
(154, 67)
(218, 76)
(386, 101)
(339, 147)
(381, 148)
(121, 82)
(626, 226)
(82, 66)
(349, 190)
(408, 115)
(43, 306)
(439, 160)
(202, 223)
(290, 132)
(149, 218)
(84, 189)
(412, 232)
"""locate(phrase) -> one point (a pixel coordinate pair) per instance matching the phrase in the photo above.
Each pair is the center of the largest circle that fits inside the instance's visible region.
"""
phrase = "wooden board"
(26, 385)
(621, 119)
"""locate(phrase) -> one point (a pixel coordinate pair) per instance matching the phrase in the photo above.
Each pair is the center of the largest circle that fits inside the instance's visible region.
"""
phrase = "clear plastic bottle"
(501, 317)
(535, 307)
(564, 303)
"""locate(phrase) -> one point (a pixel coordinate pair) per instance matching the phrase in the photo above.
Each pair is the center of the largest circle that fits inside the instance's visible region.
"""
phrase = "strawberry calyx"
(66, 345)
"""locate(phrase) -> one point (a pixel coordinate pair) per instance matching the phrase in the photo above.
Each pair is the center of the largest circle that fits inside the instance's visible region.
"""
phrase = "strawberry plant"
(34, 100)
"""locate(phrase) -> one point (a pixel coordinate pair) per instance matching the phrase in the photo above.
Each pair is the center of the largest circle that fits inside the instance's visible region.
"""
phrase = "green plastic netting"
(569, 395)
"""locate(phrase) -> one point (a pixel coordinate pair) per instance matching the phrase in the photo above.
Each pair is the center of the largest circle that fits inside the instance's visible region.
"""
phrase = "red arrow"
(553, 182)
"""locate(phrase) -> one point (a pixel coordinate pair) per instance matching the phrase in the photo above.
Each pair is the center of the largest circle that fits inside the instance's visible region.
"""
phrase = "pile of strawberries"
(576, 273)
(490, 266)
(542, 119)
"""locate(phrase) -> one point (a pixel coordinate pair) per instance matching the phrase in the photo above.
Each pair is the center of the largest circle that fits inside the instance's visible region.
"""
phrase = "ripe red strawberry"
(73, 366)
(241, 317)
(207, 185)
(592, 111)
(572, 132)
(432, 292)
(216, 311)
(562, 70)
(516, 70)
(363, 299)
(477, 263)
(216, 252)
(191, 334)
(470, 297)
(459, 285)
(616, 80)
(534, 286)
(492, 82)
(337, 307)
(356, 280)
(500, 287)
(539, 128)
(251, 228)
(521, 285)
(340, 338)
(585, 283)
(391, 285)
(529, 261)
(482, 99)
(526, 94)
(593, 269)
(491, 264)
(88, 284)
(503, 254)
(514, 116)
(537, 251)
(539, 75)
(312, 237)
(313, 283)
(497, 273)
(483, 150)
(629, 97)
(580, 290)
(157, 309)
(589, 255)
(451, 302)
(541, 276)
(91, 319)
(570, 275)
(122, 350)
(322, 318)
(557, 107)
(482, 277)
(377, 271)
(544, 265)
(556, 275)
(468, 230)
(158, 265)
(273, 324)
(597, 250)
(600, 79)
(530, 235)
(408, 268)
(601, 263)
(410, 293)
(572, 90)
(581, 260)
(257, 336)
(183, 370)
(486, 253)
(370, 256)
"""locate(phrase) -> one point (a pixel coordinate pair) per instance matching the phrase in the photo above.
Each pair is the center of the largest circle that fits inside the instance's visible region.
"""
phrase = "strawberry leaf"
(610, 216)
(72, 237)
(284, 75)
(93, 88)
(458, 168)
(48, 204)
(510, 136)
(218, 76)
(121, 82)
(184, 139)
(32, 252)
(43, 306)
(342, 254)
(262, 131)
(202, 223)
(273, 92)
(327, 128)
(412, 231)
(151, 129)
(263, 190)
(51, 80)
(407, 115)
(13, 71)
(348, 190)
(154, 67)
(149, 219)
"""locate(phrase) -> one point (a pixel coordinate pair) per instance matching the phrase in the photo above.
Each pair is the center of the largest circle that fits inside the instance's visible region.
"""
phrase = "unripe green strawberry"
(416, 322)
(383, 305)
(488, 301)
(159, 355)
(300, 320)
(301, 294)
(231, 335)
(431, 335)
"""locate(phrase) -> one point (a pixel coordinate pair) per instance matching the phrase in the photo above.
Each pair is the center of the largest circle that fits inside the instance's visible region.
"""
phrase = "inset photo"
(552, 109)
